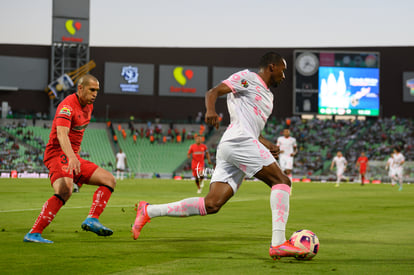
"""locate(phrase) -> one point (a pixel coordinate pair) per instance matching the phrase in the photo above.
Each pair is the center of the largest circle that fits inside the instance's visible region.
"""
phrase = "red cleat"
(141, 219)
(286, 249)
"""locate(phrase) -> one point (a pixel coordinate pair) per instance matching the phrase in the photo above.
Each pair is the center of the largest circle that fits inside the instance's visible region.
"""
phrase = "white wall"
(221, 23)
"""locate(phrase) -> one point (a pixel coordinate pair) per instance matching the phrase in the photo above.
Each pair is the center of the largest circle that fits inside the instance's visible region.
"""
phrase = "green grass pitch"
(362, 230)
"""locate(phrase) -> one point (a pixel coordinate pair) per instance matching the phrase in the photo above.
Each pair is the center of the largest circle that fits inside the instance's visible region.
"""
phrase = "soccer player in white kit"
(390, 167)
(340, 162)
(242, 152)
(398, 162)
(288, 149)
(121, 161)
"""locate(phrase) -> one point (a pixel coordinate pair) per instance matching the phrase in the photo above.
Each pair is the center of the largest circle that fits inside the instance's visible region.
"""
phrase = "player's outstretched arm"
(211, 96)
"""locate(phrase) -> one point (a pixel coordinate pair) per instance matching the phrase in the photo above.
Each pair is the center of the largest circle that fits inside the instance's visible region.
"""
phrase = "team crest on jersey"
(244, 83)
(66, 110)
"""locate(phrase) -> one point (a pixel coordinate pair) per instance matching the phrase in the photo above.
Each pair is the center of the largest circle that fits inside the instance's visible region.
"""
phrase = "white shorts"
(340, 172)
(120, 167)
(235, 160)
(286, 162)
(398, 172)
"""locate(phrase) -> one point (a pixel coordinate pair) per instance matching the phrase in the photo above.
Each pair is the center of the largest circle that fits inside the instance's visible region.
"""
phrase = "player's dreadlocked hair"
(270, 58)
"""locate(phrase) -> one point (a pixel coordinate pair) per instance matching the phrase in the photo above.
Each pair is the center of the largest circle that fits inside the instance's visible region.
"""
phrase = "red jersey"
(363, 161)
(198, 153)
(70, 113)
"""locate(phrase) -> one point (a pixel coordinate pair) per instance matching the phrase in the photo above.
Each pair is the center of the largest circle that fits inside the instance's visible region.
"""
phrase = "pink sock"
(183, 208)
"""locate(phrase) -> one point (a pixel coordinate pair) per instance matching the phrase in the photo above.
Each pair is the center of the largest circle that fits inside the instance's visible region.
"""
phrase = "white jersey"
(286, 145)
(250, 104)
(120, 157)
(340, 163)
(398, 160)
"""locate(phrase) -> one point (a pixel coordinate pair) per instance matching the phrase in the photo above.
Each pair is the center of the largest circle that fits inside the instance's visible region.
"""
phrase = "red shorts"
(57, 163)
(362, 170)
(197, 169)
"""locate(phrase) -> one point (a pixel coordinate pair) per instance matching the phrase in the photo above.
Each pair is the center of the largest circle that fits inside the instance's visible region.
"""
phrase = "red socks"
(48, 213)
(100, 198)
(54, 203)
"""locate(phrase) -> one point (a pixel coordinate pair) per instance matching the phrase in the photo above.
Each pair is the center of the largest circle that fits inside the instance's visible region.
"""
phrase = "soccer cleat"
(35, 238)
(286, 249)
(337, 185)
(199, 191)
(141, 219)
(93, 225)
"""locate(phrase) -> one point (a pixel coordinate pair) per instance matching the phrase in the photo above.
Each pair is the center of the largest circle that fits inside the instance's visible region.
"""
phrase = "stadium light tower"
(70, 41)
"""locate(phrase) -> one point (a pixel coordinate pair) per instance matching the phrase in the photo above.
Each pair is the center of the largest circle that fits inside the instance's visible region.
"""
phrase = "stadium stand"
(156, 152)
(318, 141)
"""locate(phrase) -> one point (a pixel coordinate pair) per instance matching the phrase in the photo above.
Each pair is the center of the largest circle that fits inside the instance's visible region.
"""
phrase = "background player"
(398, 162)
(340, 162)
(390, 167)
(242, 151)
(197, 152)
(66, 166)
(362, 163)
(288, 149)
(121, 164)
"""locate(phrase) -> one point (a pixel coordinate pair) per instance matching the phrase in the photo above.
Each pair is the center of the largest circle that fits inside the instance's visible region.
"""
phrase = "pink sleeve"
(228, 83)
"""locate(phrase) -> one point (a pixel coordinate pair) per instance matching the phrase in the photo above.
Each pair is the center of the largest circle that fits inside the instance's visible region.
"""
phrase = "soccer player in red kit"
(362, 163)
(66, 167)
(198, 152)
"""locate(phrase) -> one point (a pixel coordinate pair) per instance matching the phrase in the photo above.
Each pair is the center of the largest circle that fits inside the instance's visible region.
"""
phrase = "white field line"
(70, 207)
(111, 206)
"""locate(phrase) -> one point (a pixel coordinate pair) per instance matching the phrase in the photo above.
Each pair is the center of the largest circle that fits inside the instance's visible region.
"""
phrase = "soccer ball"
(305, 239)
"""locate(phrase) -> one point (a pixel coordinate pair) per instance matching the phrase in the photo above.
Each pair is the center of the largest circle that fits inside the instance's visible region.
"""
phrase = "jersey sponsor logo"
(66, 110)
(244, 83)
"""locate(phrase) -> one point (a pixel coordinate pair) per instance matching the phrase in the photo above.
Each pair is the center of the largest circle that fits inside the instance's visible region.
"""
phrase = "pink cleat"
(141, 219)
(286, 249)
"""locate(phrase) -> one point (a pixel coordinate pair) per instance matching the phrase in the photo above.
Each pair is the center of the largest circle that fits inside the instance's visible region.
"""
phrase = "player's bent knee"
(111, 181)
(282, 179)
(286, 180)
(65, 194)
(103, 177)
(212, 207)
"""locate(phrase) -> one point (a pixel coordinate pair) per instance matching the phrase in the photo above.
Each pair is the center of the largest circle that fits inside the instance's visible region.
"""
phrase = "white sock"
(117, 174)
(183, 208)
(279, 203)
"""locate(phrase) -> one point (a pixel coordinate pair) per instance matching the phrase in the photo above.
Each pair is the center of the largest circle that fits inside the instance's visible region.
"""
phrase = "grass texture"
(362, 230)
